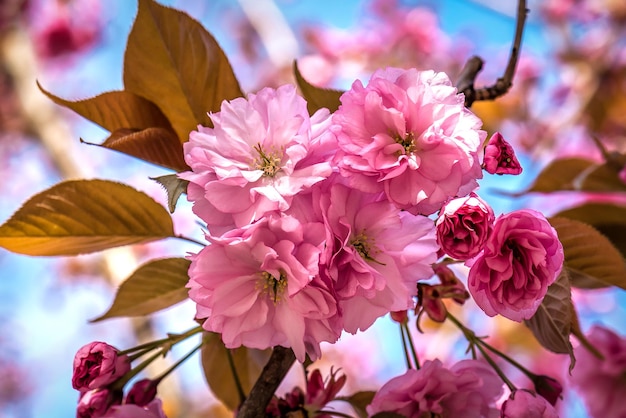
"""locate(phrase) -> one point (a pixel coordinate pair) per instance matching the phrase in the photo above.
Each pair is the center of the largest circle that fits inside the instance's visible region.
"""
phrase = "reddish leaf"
(174, 62)
(359, 402)
(317, 97)
(602, 178)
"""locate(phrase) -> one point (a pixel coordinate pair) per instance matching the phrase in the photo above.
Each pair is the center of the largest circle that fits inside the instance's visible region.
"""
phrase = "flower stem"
(178, 363)
(233, 370)
(413, 352)
(192, 240)
(405, 348)
(171, 338)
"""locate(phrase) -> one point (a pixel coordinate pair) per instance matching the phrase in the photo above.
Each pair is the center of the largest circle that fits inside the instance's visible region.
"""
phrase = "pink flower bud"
(548, 387)
(96, 365)
(523, 404)
(429, 300)
(463, 226)
(142, 392)
(319, 393)
(96, 402)
(400, 317)
(500, 157)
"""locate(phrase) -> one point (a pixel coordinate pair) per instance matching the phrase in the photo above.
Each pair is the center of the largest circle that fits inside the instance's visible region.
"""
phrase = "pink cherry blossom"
(259, 286)
(520, 260)
(96, 365)
(408, 133)
(468, 389)
(601, 382)
(500, 157)
(259, 154)
(152, 410)
(525, 404)
(463, 226)
(374, 254)
(95, 403)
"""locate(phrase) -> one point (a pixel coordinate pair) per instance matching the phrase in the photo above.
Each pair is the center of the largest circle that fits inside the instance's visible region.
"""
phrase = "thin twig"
(273, 373)
(465, 83)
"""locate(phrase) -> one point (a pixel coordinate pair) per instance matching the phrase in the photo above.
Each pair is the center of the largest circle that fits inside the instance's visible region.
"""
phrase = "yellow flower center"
(407, 141)
(272, 286)
(268, 162)
(365, 246)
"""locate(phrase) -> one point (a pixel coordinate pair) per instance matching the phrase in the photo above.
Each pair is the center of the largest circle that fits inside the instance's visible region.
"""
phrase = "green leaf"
(359, 401)
(552, 323)
(155, 145)
(154, 286)
(317, 97)
(174, 62)
(83, 216)
(248, 363)
(589, 255)
(560, 175)
(608, 218)
(174, 187)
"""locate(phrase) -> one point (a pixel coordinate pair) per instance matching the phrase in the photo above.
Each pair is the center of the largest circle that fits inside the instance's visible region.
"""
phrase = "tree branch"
(273, 373)
(465, 83)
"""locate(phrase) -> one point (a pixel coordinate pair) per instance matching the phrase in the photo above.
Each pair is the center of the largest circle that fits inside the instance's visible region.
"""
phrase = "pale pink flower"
(602, 382)
(96, 365)
(463, 226)
(259, 286)
(500, 157)
(522, 257)
(375, 254)
(152, 410)
(468, 389)
(259, 154)
(408, 133)
(95, 403)
(525, 404)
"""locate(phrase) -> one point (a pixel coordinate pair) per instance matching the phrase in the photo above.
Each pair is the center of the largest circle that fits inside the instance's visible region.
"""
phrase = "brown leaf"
(248, 363)
(115, 110)
(359, 402)
(602, 178)
(155, 145)
(552, 323)
(560, 175)
(317, 97)
(174, 187)
(154, 286)
(589, 254)
(174, 62)
(609, 219)
(83, 216)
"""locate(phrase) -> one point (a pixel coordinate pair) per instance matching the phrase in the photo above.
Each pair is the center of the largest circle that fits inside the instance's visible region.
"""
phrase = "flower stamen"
(269, 163)
(364, 245)
(407, 141)
(274, 287)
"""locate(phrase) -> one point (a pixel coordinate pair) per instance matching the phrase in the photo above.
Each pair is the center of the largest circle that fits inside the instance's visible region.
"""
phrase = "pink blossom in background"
(468, 389)
(520, 260)
(409, 135)
(96, 402)
(500, 157)
(602, 382)
(256, 158)
(463, 226)
(525, 404)
(152, 410)
(259, 286)
(374, 254)
(622, 174)
(98, 364)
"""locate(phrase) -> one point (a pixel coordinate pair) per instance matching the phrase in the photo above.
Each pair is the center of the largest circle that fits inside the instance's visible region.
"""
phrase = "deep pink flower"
(525, 404)
(548, 387)
(96, 365)
(142, 392)
(468, 389)
(320, 392)
(259, 286)
(95, 403)
(374, 254)
(152, 410)
(602, 382)
(260, 153)
(408, 134)
(520, 260)
(500, 157)
(463, 226)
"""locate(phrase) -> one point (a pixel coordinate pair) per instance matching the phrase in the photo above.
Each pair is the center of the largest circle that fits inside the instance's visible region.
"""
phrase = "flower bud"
(400, 317)
(523, 403)
(500, 157)
(548, 387)
(96, 402)
(96, 365)
(142, 392)
(463, 226)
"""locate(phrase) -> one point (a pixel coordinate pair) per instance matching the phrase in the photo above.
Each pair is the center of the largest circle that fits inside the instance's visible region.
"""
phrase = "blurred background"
(570, 86)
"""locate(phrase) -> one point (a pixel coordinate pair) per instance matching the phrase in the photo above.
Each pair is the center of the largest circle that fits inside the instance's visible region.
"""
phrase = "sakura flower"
(468, 389)
(95, 403)
(525, 404)
(96, 365)
(409, 135)
(500, 157)
(374, 254)
(259, 286)
(602, 382)
(520, 260)
(259, 154)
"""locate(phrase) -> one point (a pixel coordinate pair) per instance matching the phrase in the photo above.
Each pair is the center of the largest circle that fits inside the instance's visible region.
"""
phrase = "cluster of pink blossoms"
(319, 224)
